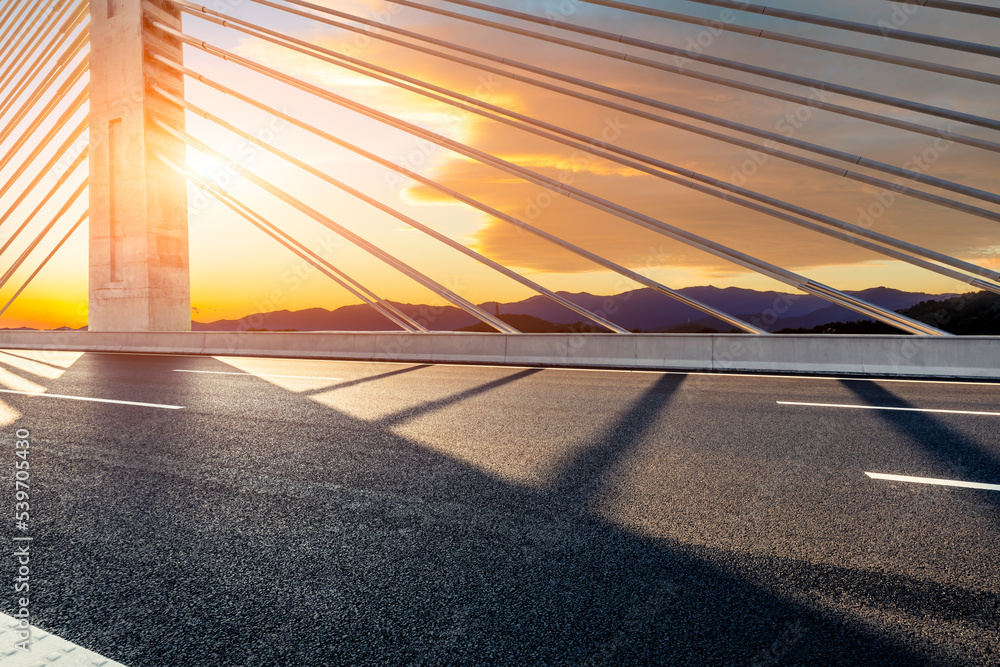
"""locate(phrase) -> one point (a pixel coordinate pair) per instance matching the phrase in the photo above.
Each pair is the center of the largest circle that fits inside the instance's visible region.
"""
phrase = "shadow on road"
(242, 538)
(440, 404)
(366, 380)
(583, 476)
(961, 456)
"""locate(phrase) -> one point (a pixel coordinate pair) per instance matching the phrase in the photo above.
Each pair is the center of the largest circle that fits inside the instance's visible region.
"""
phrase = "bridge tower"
(139, 273)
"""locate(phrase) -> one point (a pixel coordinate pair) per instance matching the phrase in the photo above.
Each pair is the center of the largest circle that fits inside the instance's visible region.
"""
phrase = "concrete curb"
(952, 357)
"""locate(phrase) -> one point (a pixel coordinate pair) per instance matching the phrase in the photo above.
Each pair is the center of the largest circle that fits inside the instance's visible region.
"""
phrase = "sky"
(236, 270)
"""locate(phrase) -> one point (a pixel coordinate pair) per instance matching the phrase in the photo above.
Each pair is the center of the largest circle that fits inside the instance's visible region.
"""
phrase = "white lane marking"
(878, 407)
(43, 648)
(259, 375)
(92, 400)
(931, 480)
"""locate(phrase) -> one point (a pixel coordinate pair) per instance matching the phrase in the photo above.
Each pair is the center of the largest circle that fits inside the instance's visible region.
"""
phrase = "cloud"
(747, 231)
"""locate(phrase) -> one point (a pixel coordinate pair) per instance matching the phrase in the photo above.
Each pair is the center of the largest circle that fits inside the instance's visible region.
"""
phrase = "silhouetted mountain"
(649, 310)
(973, 314)
(347, 318)
(532, 324)
(643, 310)
(83, 328)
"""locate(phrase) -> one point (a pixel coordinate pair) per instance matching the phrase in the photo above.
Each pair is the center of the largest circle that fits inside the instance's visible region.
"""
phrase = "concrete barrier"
(906, 356)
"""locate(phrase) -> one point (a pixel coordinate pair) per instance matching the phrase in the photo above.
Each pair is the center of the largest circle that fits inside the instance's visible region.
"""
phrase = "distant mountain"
(532, 324)
(973, 314)
(889, 299)
(647, 309)
(643, 310)
(32, 329)
(347, 318)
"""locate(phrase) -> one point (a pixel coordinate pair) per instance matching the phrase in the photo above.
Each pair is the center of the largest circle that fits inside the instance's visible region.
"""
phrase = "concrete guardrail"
(953, 357)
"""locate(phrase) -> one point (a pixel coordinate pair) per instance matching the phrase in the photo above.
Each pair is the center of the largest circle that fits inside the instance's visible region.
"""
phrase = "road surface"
(225, 511)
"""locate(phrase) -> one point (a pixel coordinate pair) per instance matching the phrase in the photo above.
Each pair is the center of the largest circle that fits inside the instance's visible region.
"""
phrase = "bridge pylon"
(139, 265)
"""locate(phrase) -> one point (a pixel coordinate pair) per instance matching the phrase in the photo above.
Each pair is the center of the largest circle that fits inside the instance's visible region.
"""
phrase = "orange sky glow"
(236, 270)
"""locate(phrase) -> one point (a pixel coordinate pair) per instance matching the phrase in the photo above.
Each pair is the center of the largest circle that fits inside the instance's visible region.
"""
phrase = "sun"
(203, 165)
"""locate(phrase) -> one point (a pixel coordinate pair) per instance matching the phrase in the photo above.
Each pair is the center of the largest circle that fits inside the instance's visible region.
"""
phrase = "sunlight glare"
(8, 415)
(203, 165)
(15, 382)
(267, 371)
(43, 368)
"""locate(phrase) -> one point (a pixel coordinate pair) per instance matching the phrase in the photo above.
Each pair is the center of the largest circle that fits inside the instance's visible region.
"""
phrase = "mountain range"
(643, 310)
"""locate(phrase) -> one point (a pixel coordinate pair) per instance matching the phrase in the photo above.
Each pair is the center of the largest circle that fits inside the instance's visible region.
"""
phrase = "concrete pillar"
(139, 275)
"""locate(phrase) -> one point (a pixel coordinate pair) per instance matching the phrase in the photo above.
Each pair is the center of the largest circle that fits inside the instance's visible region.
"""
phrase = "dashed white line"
(879, 407)
(92, 400)
(931, 480)
(258, 375)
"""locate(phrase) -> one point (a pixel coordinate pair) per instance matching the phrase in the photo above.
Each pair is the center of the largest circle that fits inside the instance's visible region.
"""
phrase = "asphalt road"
(334, 513)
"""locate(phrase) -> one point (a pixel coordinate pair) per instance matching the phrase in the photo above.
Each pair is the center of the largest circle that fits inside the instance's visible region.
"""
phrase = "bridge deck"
(264, 511)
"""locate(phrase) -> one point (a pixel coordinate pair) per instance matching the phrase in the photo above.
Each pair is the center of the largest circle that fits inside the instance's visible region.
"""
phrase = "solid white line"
(43, 647)
(931, 480)
(878, 407)
(257, 375)
(92, 400)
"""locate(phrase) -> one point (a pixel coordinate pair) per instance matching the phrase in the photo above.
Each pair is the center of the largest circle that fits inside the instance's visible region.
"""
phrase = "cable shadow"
(439, 404)
(963, 457)
(35, 361)
(21, 374)
(39, 378)
(582, 477)
(364, 380)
